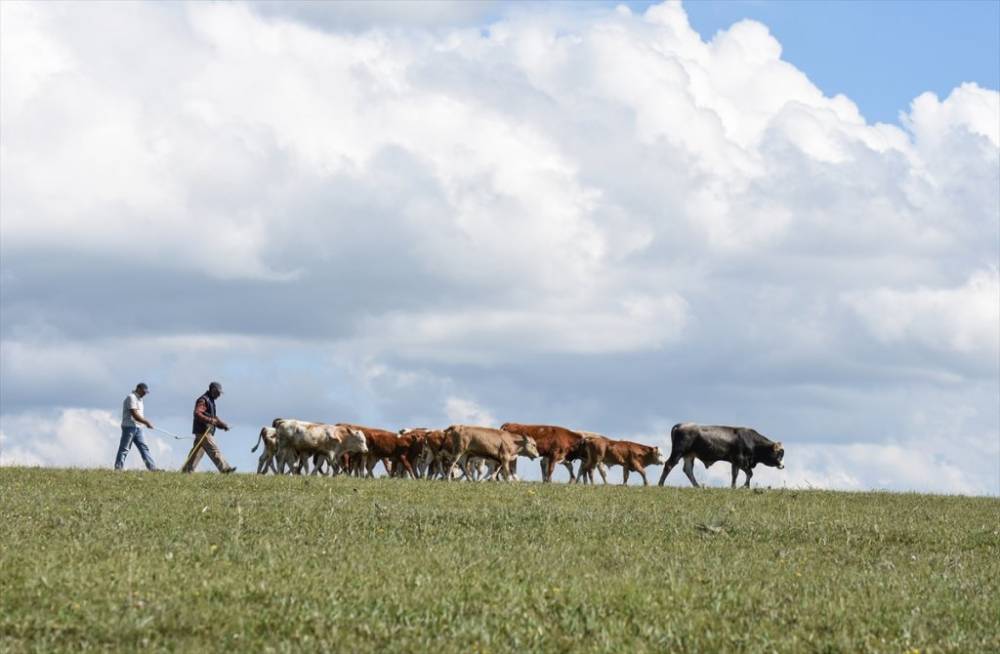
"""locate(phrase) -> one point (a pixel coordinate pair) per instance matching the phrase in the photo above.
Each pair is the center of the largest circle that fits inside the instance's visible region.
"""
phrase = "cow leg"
(261, 462)
(551, 465)
(689, 470)
(423, 466)
(407, 467)
(467, 468)
(749, 473)
(603, 469)
(544, 465)
(569, 466)
(668, 466)
(451, 468)
(625, 472)
(642, 473)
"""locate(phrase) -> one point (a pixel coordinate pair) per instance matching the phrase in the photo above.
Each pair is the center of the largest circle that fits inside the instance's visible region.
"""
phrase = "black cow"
(741, 446)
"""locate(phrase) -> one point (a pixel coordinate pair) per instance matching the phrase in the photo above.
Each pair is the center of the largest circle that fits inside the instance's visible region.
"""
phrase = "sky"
(612, 218)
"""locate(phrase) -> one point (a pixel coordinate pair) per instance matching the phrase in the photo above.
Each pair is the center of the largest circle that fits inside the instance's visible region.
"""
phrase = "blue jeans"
(133, 435)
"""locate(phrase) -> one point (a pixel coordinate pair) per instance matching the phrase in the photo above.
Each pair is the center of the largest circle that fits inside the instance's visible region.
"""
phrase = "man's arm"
(139, 419)
(201, 413)
(133, 409)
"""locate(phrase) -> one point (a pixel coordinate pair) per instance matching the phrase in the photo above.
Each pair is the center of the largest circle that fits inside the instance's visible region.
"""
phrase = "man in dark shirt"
(203, 428)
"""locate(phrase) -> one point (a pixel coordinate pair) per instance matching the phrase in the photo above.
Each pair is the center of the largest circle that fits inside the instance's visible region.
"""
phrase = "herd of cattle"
(482, 453)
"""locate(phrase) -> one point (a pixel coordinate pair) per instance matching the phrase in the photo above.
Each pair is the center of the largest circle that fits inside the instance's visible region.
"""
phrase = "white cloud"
(967, 107)
(965, 319)
(631, 323)
(367, 14)
(78, 438)
(463, 411)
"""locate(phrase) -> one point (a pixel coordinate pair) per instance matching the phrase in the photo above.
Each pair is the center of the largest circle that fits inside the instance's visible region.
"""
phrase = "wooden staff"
(197, 444)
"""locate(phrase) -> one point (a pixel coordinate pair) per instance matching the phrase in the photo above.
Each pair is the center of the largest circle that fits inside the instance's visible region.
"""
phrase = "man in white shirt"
(131, 419)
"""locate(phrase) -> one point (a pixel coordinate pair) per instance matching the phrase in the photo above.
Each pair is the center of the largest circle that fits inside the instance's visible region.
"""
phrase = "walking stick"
(197, 444)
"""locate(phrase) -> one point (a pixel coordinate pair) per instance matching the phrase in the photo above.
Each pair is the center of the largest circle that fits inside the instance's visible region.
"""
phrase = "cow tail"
(259, 437)
(676, 438)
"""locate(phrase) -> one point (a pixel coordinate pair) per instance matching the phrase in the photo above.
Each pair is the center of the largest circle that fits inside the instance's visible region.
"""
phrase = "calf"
(297, 440)
(632, 457)
(408, 450)
(494, 444)
(435, 454)
(381, 446)
(268, 436)
(555, 445)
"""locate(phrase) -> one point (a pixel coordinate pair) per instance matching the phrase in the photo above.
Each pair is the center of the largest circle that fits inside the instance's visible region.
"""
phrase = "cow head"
(773, 456)
(355, 441)
(527, 447)
(653, 457)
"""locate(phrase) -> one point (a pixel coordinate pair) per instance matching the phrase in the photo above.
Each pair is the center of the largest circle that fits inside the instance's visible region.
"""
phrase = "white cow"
(269, 436)
(298, 440)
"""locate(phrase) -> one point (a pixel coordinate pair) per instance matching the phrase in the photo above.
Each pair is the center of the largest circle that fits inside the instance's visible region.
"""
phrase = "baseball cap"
(215, 386)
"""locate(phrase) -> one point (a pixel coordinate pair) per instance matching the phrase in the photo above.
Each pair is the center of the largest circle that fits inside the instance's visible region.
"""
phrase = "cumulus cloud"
(961, 319)
(79, 438)
(582, 215)
(462, 411)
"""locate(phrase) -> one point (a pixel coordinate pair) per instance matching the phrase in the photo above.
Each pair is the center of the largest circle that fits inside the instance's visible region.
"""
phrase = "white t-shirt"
(133, 401)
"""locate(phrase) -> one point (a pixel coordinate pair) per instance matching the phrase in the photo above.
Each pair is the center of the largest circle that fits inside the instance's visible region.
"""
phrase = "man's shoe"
(228, 470)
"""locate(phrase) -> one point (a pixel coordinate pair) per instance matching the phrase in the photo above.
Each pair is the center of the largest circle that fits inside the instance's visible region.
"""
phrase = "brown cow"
(555, 445)
(632, 457)
(433, 459)
(381, 447)
(409, 449)
(494, 444)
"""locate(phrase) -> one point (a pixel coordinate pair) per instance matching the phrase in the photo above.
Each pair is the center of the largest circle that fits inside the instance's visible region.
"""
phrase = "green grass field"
(98, 560)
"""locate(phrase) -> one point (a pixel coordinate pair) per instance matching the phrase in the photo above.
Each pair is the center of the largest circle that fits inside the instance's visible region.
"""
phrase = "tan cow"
(298, 440)
(269, 436)
(494, 444)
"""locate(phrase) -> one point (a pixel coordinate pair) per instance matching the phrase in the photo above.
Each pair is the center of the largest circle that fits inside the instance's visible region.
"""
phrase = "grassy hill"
(98, 560)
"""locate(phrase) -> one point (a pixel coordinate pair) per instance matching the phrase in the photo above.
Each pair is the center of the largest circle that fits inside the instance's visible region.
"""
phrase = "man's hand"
(221, 424)
(149, 424)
